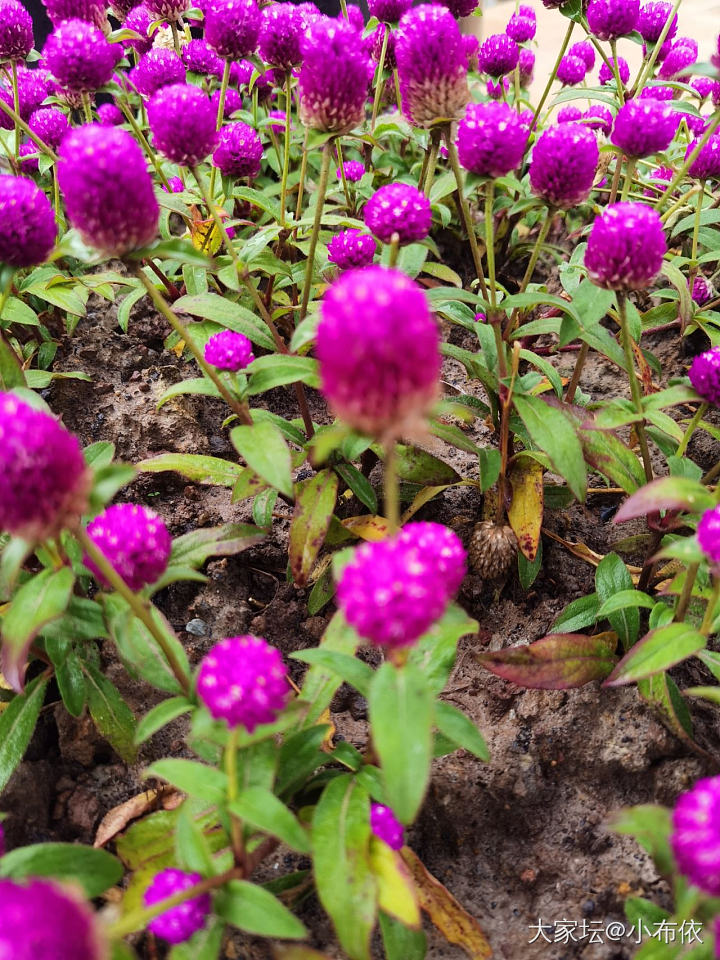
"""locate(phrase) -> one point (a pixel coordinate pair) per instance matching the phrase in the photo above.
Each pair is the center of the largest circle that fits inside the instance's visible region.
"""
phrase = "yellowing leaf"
(205, 236)
(526, 510)
(5, 686)
(367, 527)
(396, 890)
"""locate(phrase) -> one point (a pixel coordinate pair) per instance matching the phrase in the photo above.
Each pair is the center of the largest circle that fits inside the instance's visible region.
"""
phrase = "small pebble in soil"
(197, 627)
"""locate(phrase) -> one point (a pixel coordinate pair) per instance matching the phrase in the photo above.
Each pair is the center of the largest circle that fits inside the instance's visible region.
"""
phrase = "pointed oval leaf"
(657, 651)
(314, 504)
(666, 493)
(264, 449)
(255, 910)
(525, 513)
(17, 723)
(554, 434)
(556, 662)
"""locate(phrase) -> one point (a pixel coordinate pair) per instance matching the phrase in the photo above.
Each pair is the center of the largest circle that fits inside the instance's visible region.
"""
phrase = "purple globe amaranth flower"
(28, 155)
(243, 681)
(569, 114)
(232, 27)
(704, 87)
(179, 923)
(50, 124)
(239, 151)
(121, 8)
(93, 11)
(701, 291)
(241, 74)
(167, 9)
(394, 590)
(663, 174)
(498, 55)
(280, 33)
(156, 69)
(695, 838)
(491, 139)
(521, 28)
(374, 44)
(471, 47)
(526, 65)
(432, 66)
(706, 166)
(682, 55)
(585, 50)
(652, 20)
(79, 57)
(626, 247)
(644, 127)
(571, 70)
(606, 73)
(175, 184)
(44, 482)
(460, 8)
(598, 118)
(695, 124)
(388, 11)
(233, 102)
(41, 918)
(610, 19)
(228, 350)
(334, 77)
(135, 541)
(398, 210)
(705, 376)
(351, 249)
(182, 121)
(16, 31)
(564, 162)
(354, 171)
(199, 57)
(33, 87)
(109, 195)
(389, 380)
(139, 20)
(27, 222)
(386, 827)
(110, 115)
(354, 16)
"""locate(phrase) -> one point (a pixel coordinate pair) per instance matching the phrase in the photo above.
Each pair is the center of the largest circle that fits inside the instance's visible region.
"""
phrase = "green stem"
(680, 202)
(634, 385)
(141, 608)
(431, 155)
(398, 98)
(683, 601)
(394, 250)
(301, 181)
(344, 9)
(319, 204)
(551, 78)
(630, 164)
(541, 237)
(16, 105)
(19, 122)
(696, 225)
(687, 436)
(616, 71)
(150, 153)
(646, 67)
(286, 152)
(465, 210)
(175, 36)
(7, 289)
(343, 178)
(706, 625)
(689, 160)
(379, 76)
(391, 488)
(230, 761)
(490, 239)
(220, 117)
(579, 364)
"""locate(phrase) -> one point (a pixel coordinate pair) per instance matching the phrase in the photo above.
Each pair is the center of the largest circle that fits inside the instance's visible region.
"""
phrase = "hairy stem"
(319, 204)
(635, 391)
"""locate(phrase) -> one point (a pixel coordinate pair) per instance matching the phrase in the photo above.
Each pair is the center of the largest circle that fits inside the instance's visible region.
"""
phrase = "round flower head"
(228, 350)
(233, 102)
(232, 27)
(695, 839)
(156, 69)
(706, 166)
(432, 65)
(394, 590)
(681, 56)
(28, 154)
(564, 162)
(167, 9)
(644, 127)
(93, 11)
(43, 480)
(79, 57)
(491, 139)
(388, 11)
(239, 151)
(50, 124)
(109, 115)
(705, 376)
(351, 249)
(471, 46)
(280, 33)
(354, 16)
(386, 827)
(652, 20)
(585, 50)
(40, 918)
(374, 44)
(571, 70)
(498, 55)
(526, 65)
(610, 19)
(658, 180)
(182, 121)
(334, 77)
(33, 88)
(656, 92)
(139, 20)
(108, 191)
(598, 118)
(701, 291)
(704, 87)
(27, 222)
(199, 57)
(241, 74)
(135, 541)
(243, 681)
(606, 73)
(354, 171)
(389, 380)
(398, 209)
(521, 28)
(495, 90)
(179, 923)
(16, 31)
(569, 114)
(626, 247)
(175, 184)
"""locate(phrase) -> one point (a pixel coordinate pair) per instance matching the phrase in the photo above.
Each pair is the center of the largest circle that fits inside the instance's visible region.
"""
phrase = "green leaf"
(17, 311)
(489, 462)
(263, 811)
(17, 723)
(40, 600)
(111, 715)
(314, 504)
(657, 651)
(344, 881)
(666, 493)
(460, 729)
(624, 599)
(552, 432)
(435, 652)
(399, 941)
(577, 615)
(279, 369)
(11, 372)
(232, 316)
(651, 826)
(320, 684)
(194, 548)
(401, 718)
(198, 386)
(204, 945)
(255, 910)
(359, 484)
(349, 669)
(556, 662)
(199, 469)
(300, 756)
(611, 577)
(265, 451)
(418, 466)
(193, 778)
(160, 716)
(71, 683)
(94, 870)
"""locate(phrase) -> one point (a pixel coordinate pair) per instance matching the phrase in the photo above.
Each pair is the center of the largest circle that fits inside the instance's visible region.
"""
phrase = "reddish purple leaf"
(556, 662)
(666, 493)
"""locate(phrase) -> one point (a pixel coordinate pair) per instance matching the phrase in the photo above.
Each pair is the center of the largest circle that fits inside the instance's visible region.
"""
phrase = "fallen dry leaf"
(119, 817)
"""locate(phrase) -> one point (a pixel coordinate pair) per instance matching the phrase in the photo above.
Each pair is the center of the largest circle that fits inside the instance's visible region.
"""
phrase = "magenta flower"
(182, 121)
(156, 69)
(27, 222)
(626, 247)
(644, 127)
(705, 88)
(199, 57)
(239, 151)
(354, 171)
(110, 115)
(607, 75)
(681, 56)
(233, 102)
(586, 51)
(610, 19)
(232, 27)
(521, 28)
(599, 118)
(175, 184)
(50, 124)
(491, 139)
(471, 46)
(569, 114)
(16, 31)
(167, 9)
(398, 209)
(526, 65)
(139, 20)
(179, 923)
(564, 162)
(355, 15)
(228, 350)
(389, 379)
(374, 45)
(388, 11)
(41, 919)
(705, 376)
(28, 156)
(498, 55)
(432, 65)
(394, 590)
(652, 19)
(79, 57)
(695, 839)
(706, 166)
(280, 33)
(92, 11)
(662, 174)
(701, 291)
(351, 249)
(386, 827)
(571, 70)
(135, 541)
(243, 681)
(109, 195)
(43, 480)
(460, 8)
